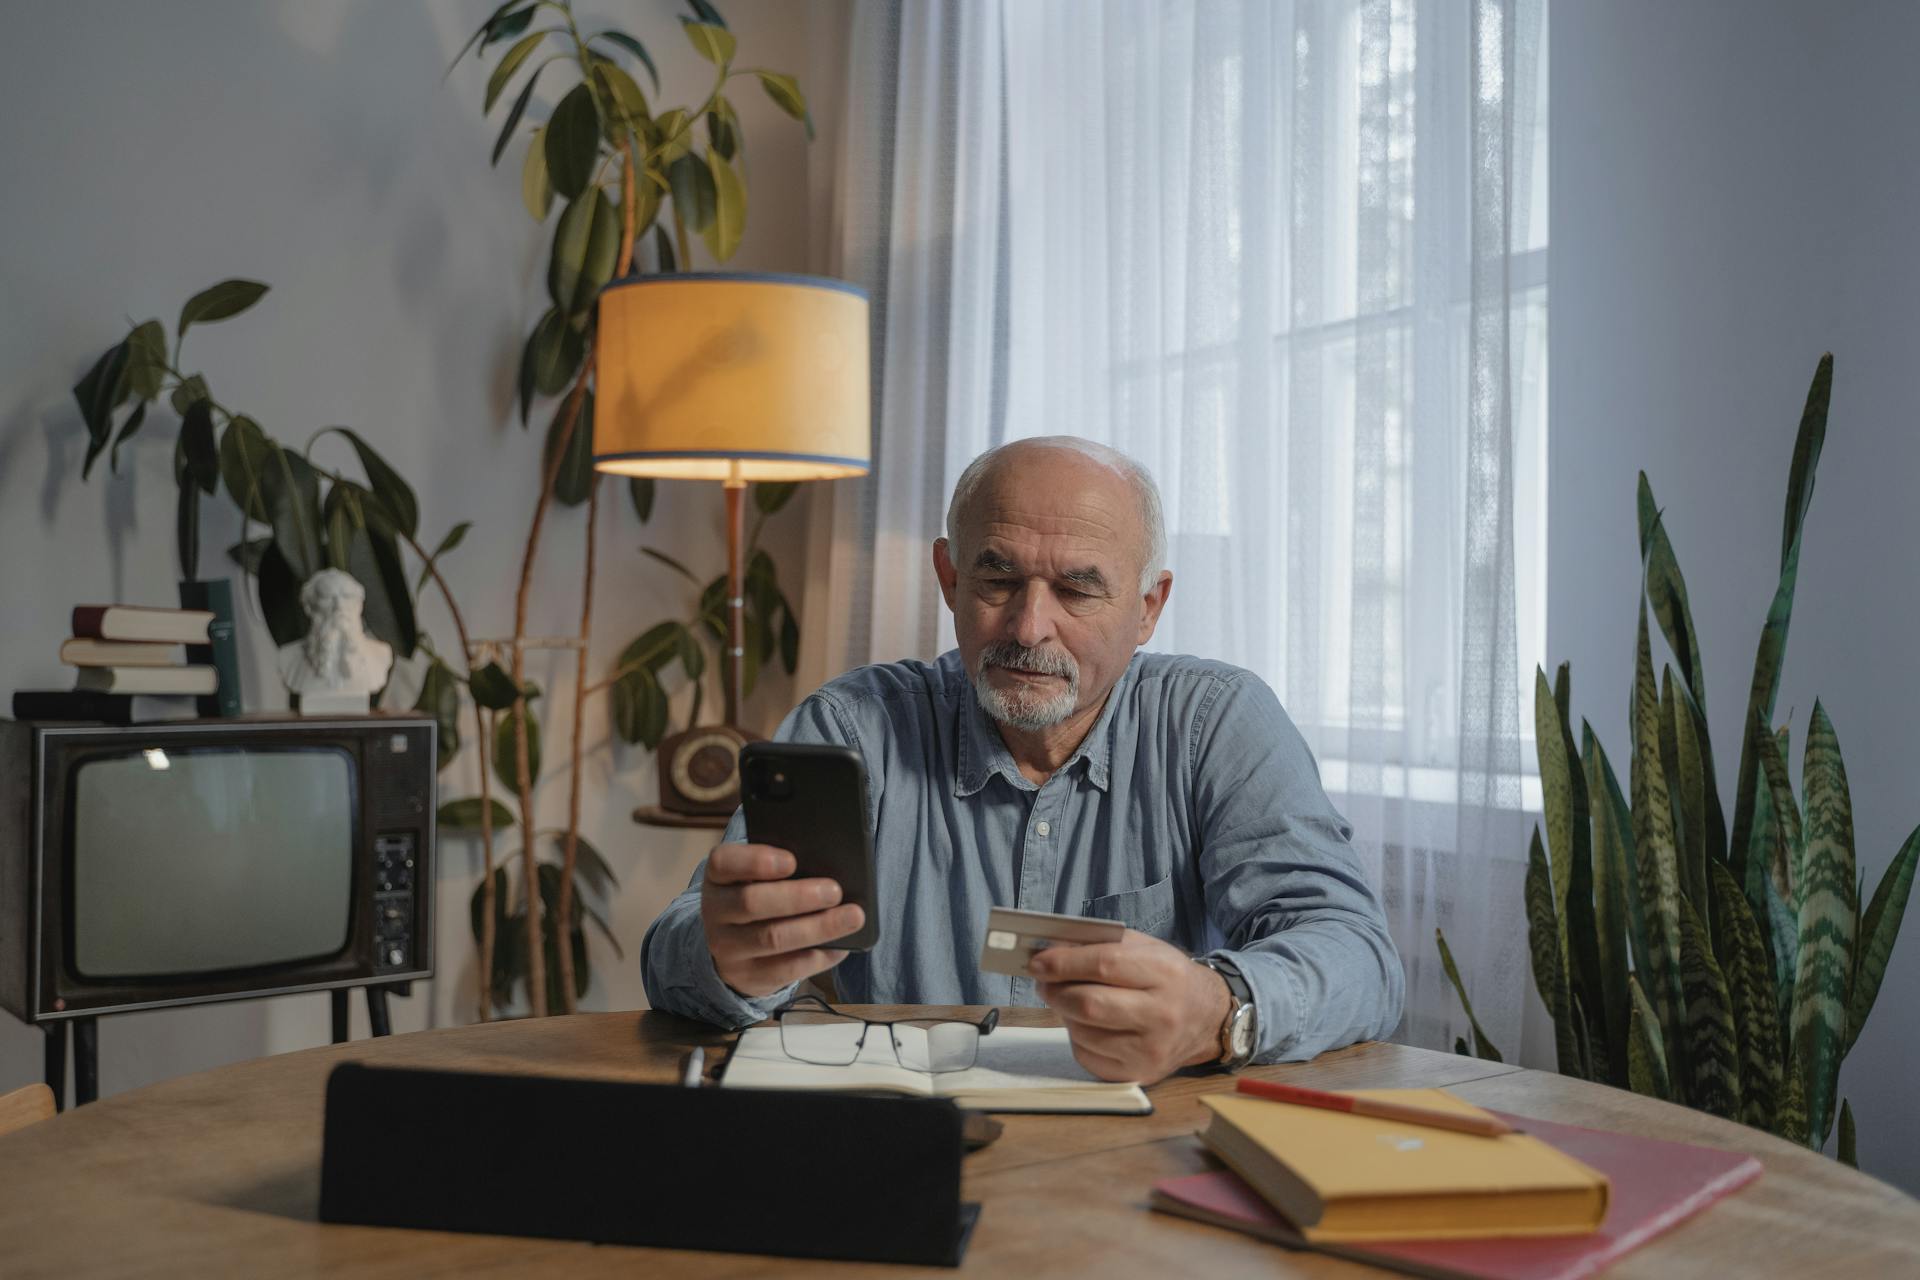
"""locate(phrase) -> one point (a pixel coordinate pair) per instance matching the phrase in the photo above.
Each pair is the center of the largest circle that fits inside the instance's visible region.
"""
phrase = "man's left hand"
(1136, 1009)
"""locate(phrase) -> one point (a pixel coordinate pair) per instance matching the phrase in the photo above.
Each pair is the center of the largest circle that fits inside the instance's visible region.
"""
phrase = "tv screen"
(200, 859)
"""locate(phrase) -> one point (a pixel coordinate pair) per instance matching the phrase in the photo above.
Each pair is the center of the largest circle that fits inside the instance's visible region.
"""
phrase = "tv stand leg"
(340, 995)
(86, 1061)
(57, 1062)
(377, 1010)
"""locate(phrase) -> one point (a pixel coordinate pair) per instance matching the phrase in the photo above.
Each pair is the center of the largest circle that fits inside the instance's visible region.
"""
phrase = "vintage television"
(178, 863)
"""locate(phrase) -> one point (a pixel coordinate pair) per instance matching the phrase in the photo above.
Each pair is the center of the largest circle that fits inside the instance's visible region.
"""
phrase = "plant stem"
(488, 904)
(536, 940)
(482, 724)
(563, 910)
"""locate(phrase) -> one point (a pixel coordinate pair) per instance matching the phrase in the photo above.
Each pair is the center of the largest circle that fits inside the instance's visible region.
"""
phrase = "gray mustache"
(1048, 662)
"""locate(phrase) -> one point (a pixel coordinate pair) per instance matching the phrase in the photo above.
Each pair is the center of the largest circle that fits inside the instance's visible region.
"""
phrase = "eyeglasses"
(811, 1030)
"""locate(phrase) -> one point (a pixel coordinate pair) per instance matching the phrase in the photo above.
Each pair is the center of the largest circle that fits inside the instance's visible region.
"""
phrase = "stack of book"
(1554, 1202)
(133, 665)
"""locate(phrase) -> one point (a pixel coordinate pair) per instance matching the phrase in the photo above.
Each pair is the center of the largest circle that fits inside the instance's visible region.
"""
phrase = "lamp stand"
(736, 653)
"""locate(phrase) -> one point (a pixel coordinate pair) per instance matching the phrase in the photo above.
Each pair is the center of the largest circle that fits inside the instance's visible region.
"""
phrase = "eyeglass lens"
(933, 1045)
(834, 1040)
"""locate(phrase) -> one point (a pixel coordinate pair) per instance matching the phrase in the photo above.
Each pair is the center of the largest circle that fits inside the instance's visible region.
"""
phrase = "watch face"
(706, 766)
(1242, 1034)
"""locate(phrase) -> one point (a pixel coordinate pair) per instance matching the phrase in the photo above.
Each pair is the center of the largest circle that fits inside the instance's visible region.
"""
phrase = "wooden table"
(218, 1173)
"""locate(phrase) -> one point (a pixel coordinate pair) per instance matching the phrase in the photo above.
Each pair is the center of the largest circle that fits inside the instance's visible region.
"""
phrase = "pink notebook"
(1656, 1185)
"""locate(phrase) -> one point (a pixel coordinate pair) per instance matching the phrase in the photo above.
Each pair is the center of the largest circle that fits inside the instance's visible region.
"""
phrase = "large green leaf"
(553, 355)
(573, 141)
(1790, 1118)
(293, 509)
(485, 32)
(98, 394)
(1646, 1055)
(1772, 651)
(1549, 965)
(625, 98)
(634, 47)
(390, 489)
(574, 480)
(693, 192)
(1713, 1047)
(1828, 912)
(675, 130)
(186, 517)
(509, 63)
(536, 189)
(722, 235)
(440, 698)
(1659, 859)
(198, 448)
(146, 360)
(223, 301)
(493, 688)
(1878, 931)
(1482, 1046)
(1617, 863)
(1579, 926)
(640, 490)
(191, 389)
(245, 453)
(713, 43)
(373, 557)
(585, 244)
(723, 129)
(1750, 984)
(785, 92)
(464, 815)
(1689, 775)
(1667, 593)
(505, 757)
(640, 708)
(512, 122)
(1788, 852)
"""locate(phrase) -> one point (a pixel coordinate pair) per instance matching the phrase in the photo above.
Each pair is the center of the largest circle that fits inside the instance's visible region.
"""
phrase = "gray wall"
(1734, 186)
(154, 149)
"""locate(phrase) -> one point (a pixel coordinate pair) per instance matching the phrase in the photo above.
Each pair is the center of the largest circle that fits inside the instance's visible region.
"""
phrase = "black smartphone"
(811, 800)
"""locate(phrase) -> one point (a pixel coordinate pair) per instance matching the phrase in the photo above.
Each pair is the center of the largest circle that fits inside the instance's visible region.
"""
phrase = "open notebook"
(1019, 1069)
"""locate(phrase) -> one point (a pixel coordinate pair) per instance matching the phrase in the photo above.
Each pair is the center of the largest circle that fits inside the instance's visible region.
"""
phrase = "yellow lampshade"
(722, 376)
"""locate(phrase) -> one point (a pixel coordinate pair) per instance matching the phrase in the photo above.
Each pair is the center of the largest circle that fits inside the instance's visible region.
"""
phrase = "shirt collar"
(980, 752)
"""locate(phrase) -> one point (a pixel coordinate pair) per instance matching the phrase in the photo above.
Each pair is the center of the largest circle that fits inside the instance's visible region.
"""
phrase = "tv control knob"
(396, 956)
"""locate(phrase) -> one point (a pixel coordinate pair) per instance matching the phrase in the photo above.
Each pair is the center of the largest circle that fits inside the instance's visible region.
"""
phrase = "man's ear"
(943, 569)
(1152, 603)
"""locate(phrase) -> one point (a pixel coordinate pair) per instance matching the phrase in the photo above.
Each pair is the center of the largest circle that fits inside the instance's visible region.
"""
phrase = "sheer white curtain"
(1291, 256)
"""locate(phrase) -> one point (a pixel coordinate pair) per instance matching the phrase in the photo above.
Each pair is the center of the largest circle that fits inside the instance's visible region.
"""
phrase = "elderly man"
(1045, 764)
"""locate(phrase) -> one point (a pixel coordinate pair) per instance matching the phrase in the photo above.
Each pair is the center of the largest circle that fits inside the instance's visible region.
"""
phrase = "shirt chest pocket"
(1147, 910)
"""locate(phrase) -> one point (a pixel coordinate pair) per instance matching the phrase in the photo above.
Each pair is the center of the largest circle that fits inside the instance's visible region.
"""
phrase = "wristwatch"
(1238, 1034)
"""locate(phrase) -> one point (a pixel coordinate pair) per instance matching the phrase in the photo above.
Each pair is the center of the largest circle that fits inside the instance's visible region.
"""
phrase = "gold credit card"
(1013, 936)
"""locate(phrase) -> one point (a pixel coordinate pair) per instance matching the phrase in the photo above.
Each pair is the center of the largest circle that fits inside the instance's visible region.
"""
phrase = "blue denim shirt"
(1192, 811)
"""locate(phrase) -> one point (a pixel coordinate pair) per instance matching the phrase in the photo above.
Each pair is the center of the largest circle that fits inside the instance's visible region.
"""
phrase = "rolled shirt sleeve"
(1283, 885)
(675, 963)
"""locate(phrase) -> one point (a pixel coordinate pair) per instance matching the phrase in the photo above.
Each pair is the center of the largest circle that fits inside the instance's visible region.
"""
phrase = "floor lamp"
(735, 377)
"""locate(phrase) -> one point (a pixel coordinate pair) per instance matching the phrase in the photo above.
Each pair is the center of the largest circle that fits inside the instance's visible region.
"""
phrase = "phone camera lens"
(780, 788)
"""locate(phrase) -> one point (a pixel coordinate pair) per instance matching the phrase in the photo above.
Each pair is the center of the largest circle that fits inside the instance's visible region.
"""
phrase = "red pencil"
(1428, 1117)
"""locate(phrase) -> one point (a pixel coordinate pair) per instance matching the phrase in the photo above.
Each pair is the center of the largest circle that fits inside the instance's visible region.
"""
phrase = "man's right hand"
(765, 930)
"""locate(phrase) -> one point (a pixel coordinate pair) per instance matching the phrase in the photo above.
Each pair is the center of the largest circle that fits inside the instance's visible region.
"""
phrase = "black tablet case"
(805, 1175)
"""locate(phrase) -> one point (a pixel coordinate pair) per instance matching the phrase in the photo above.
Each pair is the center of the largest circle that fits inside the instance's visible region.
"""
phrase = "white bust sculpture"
(337, 666)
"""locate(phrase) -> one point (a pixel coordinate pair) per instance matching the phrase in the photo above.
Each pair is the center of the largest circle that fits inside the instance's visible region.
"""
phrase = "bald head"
(1061, 462)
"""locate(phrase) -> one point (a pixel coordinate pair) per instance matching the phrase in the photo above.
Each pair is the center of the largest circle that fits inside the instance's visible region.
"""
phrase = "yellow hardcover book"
(1338, 1176)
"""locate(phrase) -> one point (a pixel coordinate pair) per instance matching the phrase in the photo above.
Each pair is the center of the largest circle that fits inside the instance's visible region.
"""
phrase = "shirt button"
(1041, 828)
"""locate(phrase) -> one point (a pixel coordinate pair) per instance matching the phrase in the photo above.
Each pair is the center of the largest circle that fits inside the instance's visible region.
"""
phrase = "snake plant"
(1724, 965)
